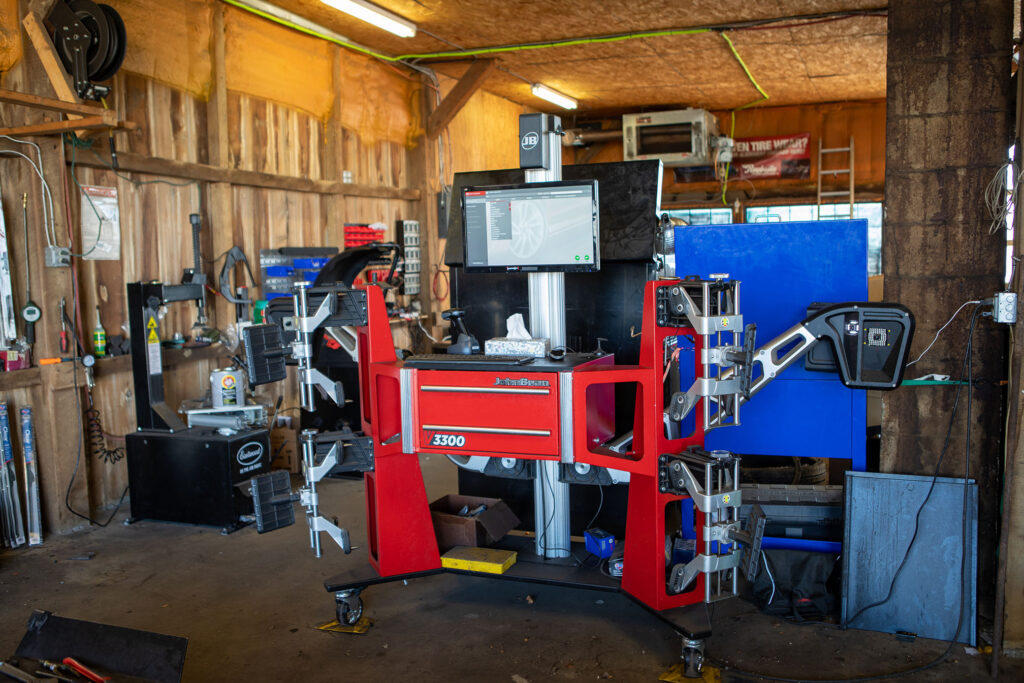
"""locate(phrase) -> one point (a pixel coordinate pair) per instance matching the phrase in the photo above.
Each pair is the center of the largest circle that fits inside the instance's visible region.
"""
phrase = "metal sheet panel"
(880, 514)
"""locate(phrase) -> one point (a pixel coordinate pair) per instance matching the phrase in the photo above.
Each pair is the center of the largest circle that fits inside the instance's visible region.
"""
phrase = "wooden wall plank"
(181, 138)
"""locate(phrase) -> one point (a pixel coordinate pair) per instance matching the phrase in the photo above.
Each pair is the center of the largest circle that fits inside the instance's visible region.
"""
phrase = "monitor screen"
(533, 227)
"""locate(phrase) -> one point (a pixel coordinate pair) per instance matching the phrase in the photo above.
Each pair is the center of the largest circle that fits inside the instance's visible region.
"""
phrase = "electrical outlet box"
(58, 257)
(1004, 310)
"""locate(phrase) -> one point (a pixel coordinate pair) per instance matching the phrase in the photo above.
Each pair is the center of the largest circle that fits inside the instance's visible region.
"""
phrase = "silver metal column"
(547, 319)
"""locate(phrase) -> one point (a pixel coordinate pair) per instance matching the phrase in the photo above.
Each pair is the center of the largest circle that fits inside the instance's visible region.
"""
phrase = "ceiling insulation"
(795, 61)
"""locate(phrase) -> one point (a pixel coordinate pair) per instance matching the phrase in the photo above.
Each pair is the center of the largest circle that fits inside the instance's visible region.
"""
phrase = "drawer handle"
(484, 390)
(488, 430)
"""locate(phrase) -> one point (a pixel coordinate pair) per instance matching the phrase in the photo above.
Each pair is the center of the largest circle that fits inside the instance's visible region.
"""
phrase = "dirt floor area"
(249, 605)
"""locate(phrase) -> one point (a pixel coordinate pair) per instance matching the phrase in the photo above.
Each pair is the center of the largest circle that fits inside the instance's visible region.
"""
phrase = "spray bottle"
(99, 337)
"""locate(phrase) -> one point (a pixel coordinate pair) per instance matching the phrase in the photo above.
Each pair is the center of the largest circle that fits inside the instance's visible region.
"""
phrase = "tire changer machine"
(557, 413)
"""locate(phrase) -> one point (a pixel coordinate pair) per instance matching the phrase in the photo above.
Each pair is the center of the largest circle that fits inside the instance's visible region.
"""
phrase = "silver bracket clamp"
(310, 499)
(329, 462)
(679, 471)
(682, 575)
(312, 378)
(337, 534)
(682, 304)
(718, 496)
(703, 387)
(308, 324)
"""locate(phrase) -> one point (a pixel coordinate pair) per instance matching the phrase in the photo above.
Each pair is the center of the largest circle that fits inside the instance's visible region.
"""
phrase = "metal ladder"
(822, 172)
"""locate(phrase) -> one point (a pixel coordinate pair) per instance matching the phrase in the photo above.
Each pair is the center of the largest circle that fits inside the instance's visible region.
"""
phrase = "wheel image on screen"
(529, 228)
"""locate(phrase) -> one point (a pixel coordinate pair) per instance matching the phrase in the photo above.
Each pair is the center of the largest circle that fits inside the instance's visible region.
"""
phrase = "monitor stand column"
(550, 495)
(547, 319)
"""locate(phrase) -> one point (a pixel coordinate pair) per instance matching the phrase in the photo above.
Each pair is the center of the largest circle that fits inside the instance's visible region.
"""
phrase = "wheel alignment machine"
(567, 420)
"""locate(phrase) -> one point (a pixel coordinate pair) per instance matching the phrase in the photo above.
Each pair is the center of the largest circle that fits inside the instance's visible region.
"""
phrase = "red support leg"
(401, 532)
(644, 563)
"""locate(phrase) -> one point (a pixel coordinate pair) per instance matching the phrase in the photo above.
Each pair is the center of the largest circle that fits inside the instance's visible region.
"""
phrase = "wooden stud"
(458, 96)
(220, 196)
(58, 78)
(333, 206)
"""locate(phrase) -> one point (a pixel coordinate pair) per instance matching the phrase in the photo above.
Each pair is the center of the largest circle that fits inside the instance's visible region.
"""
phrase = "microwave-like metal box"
(678, 138)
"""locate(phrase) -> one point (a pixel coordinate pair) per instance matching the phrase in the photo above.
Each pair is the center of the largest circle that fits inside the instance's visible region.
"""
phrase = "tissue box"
(503, 346)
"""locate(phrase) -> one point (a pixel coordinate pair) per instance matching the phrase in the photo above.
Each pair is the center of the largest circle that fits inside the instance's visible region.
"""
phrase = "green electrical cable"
(99, 218)
(311, 32)
(743, 65)
(77, 142)
(569, 42)
(732, 128)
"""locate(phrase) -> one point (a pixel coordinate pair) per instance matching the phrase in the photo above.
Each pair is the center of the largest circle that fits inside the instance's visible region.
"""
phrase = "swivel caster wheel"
(348, 607)
(693, 657)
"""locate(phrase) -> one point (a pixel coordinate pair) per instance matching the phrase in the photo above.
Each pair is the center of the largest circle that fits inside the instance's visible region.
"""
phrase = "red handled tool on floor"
(84, 671)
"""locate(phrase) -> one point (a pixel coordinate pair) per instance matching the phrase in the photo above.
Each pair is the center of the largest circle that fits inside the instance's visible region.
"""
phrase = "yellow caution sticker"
(153, 339)
(151, 325)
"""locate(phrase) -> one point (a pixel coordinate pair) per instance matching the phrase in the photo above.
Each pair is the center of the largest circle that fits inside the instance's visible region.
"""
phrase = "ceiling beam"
(458, 96)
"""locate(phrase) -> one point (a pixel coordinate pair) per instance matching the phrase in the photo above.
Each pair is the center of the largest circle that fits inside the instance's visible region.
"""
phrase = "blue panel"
(801, 544)
(783, 268)
(812, 418)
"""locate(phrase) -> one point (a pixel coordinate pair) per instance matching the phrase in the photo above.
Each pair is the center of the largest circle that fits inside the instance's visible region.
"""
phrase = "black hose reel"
(90, 41)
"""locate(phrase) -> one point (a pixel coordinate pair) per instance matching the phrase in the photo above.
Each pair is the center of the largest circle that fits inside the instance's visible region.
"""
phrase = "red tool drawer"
(486, 412)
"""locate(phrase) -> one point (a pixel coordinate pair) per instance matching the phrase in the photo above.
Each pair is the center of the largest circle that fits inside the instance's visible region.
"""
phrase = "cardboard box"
(285, 453)
(481, 529)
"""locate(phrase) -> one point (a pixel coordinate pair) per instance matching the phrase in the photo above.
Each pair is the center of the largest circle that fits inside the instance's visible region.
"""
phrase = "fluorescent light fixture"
(371, 14)
(545, 93)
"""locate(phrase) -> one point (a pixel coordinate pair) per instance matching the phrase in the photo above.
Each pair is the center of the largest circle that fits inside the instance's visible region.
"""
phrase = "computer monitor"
(532, 227)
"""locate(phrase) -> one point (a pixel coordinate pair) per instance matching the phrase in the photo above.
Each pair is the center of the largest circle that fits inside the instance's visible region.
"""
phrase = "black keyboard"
(459, 360)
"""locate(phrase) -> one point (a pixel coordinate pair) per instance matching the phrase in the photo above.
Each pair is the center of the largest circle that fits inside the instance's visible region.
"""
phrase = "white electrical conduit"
(48, 221)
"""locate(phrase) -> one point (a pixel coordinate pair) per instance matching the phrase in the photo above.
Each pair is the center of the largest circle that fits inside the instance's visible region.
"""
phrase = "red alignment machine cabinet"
(476, 408)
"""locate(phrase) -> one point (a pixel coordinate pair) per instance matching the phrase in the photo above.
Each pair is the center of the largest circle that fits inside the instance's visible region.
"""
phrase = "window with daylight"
(722, 216)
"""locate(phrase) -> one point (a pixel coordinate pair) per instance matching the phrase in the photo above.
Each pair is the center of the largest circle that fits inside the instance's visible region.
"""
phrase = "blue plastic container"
(599, 542)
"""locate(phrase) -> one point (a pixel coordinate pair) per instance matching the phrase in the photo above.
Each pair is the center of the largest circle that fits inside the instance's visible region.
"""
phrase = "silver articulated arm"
(870, 342)
(793, 344)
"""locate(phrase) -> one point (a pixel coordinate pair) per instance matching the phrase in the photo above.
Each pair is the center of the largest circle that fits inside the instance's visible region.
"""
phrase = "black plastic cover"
(271, 501)
(141, 655)
(265, 354)
(870, 340)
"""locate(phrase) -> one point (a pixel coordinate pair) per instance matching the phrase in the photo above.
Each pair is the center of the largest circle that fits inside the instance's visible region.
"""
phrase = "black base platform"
(691, 622)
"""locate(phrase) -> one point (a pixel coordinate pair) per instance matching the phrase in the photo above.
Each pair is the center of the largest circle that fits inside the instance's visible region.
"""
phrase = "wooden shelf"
(20, 379)
(170, 358)
(130, 162)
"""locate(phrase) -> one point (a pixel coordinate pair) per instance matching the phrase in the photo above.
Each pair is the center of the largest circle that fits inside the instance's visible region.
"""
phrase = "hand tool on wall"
(63, 325)
(201, 330)
(87, 361)
(8, 316)
(30, 312)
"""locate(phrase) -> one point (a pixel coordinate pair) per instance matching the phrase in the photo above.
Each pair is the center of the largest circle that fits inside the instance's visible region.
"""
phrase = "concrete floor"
(249, 605)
